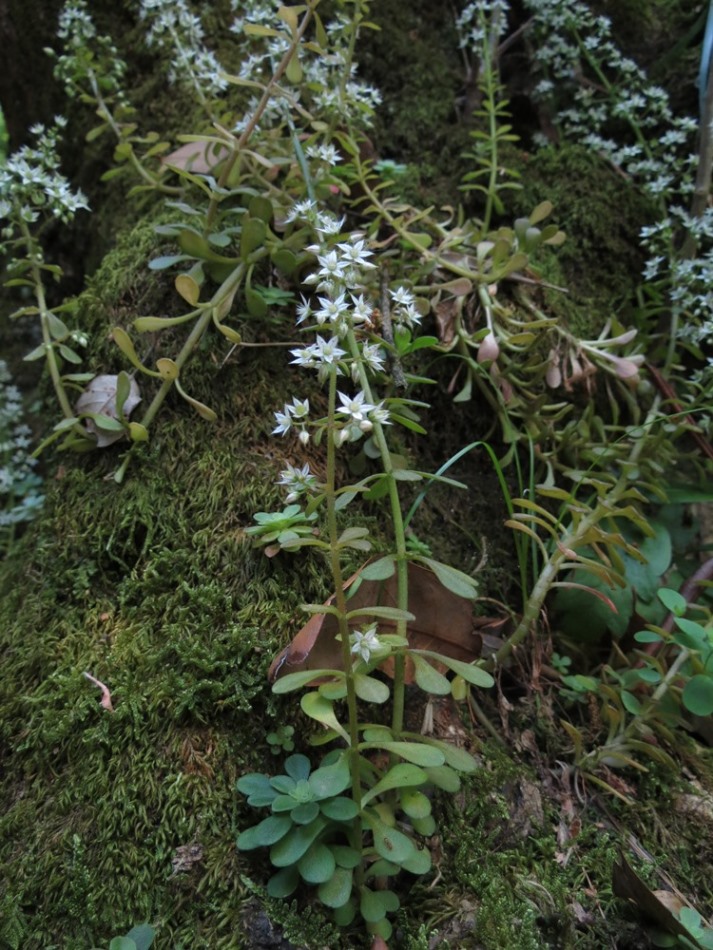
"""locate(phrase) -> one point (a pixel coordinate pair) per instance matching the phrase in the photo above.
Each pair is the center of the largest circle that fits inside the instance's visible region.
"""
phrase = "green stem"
(259, 109)
(228, 287)
(34, 255)
(341, 604)
(489, 88)
(570, 541)
(397, 720)
(106, 114)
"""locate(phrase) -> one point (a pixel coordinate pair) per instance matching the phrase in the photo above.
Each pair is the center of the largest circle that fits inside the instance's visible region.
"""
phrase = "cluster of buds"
(573, 362)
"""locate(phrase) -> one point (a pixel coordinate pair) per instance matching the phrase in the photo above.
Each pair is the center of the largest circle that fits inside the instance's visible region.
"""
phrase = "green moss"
(152, 588)
(600, 262)
(417, 122)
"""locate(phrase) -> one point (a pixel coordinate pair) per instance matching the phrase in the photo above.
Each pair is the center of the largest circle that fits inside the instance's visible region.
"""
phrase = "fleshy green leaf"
(374, 905)
(305, 813)
(318, 708)
(673, 601)
(290, 848)
(454, 757)
(698, 695)
(345, 856)
(417, 752)
(419, 863)
(339, 809)
(269, 831)
(330, 780)
(379, 570)
(452, 579)
(371, 690)
(424, 826)
(399, 776)
(337, 890)
(444, 777)
(389, 843)
(414, 803)
(293, 681)
(318, 865)
(298, 767)
(475, 675)
(283, 883)
(428, 678)
(258, 789)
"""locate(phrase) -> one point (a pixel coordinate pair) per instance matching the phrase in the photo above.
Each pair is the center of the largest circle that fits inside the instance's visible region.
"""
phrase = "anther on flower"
(402, 297)
(364, 643)
(331, 310)
(298, 410)
(298, 481)
(356, 254)
(354, 407)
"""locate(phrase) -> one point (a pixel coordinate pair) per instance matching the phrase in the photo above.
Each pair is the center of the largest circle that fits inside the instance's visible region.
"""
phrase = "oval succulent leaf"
(269, 831)
(317, 865)
(283, 883)
(337, 890)
(330, 780)
(290, 848)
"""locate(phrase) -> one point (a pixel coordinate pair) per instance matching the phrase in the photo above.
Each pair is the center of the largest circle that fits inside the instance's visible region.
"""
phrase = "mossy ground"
(109, 818)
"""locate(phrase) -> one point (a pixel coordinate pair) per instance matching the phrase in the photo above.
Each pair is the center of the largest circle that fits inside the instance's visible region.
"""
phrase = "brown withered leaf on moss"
(100, 397)
(443, 623)
(659, 907)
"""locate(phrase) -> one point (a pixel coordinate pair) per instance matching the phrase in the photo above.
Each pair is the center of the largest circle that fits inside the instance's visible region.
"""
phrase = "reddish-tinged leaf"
(443, 623)
(590, 590)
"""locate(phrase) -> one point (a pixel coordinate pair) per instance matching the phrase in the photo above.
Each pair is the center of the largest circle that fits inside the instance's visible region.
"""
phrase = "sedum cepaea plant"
(355, 821)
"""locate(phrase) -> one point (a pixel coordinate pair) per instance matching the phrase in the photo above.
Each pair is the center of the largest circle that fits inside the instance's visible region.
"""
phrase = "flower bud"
(303, 436)
(488, 350)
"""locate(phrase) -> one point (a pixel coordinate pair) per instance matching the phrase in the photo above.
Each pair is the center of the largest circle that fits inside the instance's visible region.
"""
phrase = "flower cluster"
(172, 27)
(89, 60)
(31, 184)
(324, 89)
(341, 315)
(482, 21)
(576, 43)
(20, 497)
(657, 153)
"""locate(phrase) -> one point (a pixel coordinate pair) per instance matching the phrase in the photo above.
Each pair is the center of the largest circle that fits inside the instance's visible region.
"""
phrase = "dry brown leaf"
(100, 397)
(198, 157)
(627, 884)
(443, 623)
(445, 313)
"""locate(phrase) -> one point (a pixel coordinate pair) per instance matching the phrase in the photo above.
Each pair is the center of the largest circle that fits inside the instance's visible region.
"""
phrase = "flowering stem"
(341, 602)
(397, 719)
(35, 256)
(259, 109)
